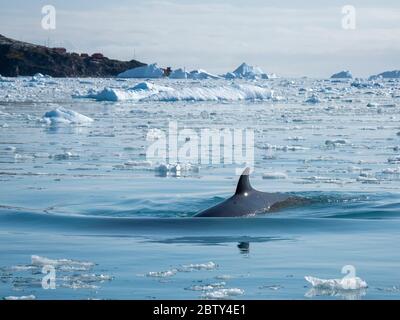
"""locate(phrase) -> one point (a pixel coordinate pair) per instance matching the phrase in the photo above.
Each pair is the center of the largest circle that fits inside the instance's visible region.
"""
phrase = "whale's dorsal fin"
(244, 182)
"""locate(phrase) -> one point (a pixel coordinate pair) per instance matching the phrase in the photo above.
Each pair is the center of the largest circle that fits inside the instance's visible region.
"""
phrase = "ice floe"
(346, 283)
(207, 287)
(30, 297)
(233, 92)
(146, 92)
(176, 169)
(65, 264)
(274, 175)
(225, 293)
(162, 274)
(61, 115)
(148, 71)
(200, 266)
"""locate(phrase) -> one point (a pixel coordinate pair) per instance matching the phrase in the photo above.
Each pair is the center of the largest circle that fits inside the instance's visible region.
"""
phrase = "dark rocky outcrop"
(19, 58)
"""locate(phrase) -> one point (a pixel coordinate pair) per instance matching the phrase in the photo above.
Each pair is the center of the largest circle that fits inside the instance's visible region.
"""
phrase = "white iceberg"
(179, 74)
(386, 75)
(107, 94)
(136, 93)
(148, 71)
(345, 74)
(274, 175)
(245, 71)
(61, 115)
(232, 92)
(201, 74)
(223, 293)
(30, 297)
(150, 87)
(145, 91)
(346, 283)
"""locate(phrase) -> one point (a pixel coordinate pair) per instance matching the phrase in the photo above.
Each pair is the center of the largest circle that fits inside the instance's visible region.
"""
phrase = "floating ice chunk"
(284, 148)
(179, 74)
(207, 287)
(138, 92)
(10, 148)
(274, 175)
(64, 116)
(223, 293)
(76, 285)
(162, 274)
(366, 178)
(66, 156)
(346, 74)
(30, 297)
(201, 266)
(313, 99)
(273, 287)
(234, 92)
(109, 94)
(176, 169)
(148, 71)
(335, 143)
(65, 264)
(148, 86)
(223, 277)
(346, 283)
(391, 171)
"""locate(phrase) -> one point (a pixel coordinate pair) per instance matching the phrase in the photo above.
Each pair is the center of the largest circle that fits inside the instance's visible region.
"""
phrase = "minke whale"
(248, 201)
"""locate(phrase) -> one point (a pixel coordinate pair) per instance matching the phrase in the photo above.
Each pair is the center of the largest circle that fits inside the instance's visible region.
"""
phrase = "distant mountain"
(19, 58)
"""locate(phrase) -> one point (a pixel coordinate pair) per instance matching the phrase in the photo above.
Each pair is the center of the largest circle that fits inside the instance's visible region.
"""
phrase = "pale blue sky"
(290, 38)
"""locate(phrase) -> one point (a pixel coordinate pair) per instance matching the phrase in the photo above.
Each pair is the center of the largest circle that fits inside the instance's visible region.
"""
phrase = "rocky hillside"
(19, 58)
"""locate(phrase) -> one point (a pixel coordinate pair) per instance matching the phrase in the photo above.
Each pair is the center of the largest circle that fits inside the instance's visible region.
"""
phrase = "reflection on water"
(343, 294)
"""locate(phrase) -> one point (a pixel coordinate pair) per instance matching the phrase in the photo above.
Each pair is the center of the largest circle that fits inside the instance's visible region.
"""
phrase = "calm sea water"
(113, 227)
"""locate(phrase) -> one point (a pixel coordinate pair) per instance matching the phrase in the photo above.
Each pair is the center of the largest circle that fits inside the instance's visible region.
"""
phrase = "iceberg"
(150, 87)
(245, 71)
(145, 92)
(107, 94)
(136, 93)
(64, 116)
(201, 74)
(386, 75)
(179, 74)
(345, 74)
(233, 92)
(148, 71)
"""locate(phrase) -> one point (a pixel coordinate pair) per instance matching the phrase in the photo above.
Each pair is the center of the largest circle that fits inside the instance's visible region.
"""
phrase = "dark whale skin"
(247, 201)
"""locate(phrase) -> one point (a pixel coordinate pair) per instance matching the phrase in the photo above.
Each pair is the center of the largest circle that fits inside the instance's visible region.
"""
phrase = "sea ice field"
(78, 194)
